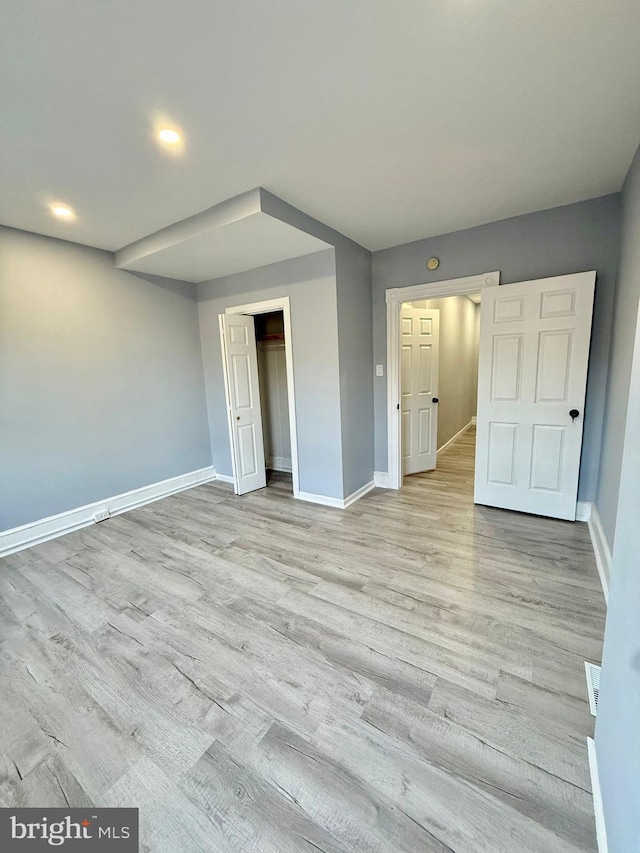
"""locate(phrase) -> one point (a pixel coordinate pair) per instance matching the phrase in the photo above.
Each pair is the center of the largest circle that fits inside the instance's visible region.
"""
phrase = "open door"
(419, 342)
(243, 400)
(534, 353)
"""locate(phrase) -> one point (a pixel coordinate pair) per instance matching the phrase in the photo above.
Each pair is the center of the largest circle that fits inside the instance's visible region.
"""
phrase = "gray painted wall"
(353, 282)
(563, 240)
(623, 331)
(310, 283)
(457, 381)
(101, 384)
(352, 274)
(618, 723)
(355, 338)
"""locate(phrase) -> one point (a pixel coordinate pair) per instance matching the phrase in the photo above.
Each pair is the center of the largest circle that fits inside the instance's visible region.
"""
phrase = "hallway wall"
(458, 383)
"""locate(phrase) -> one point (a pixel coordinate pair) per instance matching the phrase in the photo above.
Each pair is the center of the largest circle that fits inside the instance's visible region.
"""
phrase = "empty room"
(319, 393)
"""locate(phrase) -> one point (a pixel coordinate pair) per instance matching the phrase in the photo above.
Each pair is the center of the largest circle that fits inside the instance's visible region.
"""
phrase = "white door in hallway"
(419, 342)
(243, 400)
(534, 353)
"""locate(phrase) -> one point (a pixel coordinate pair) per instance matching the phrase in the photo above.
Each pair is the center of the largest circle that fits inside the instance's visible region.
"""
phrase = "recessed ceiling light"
(172, 137)
(62, 211)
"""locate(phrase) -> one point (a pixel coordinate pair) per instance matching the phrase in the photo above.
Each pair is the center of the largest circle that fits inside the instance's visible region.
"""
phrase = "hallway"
(260, 674)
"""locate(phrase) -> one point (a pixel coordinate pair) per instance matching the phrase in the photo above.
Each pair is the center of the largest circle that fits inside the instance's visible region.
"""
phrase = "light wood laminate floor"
(260, 674)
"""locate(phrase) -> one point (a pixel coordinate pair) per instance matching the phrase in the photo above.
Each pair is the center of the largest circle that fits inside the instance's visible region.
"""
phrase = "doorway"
(274, 402)
(257, 359)
(395, 299)
(532, 374)
(439, 377)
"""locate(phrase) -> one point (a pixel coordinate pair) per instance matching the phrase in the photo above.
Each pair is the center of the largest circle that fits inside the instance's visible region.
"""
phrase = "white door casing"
(419, 356)
(243, 400)
(534, 354)
(281, 303)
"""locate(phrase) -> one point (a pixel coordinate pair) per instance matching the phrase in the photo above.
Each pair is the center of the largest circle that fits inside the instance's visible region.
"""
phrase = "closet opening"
(257, 363)
(274, 402)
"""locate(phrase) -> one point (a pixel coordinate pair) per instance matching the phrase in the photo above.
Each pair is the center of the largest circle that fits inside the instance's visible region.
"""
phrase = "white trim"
(601, 550)
(279, 463)
(583, 510)
(282, 304)
(437, 289)
(227, 400)
(456, 436)
(44, 529)
(474, 420)
(264, 307)
(381, 479)
(394, 297)
(325, 500)
(359, 493)
(225, 478)
(337, 503)
(598, 809)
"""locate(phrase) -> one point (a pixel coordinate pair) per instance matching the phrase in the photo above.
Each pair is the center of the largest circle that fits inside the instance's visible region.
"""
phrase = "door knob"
(237, 417)
(574, 414)
(435, 400)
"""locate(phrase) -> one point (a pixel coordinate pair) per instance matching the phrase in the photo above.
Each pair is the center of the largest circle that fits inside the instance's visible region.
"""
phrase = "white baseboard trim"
(457, 435)
(324, 500)
(583, 510)
(359, 493)
(600, 549)
(225, 478)
(279, 463)
(337, 503)
(381, 479)
(474, 420)
(44, 529)
(601, 829)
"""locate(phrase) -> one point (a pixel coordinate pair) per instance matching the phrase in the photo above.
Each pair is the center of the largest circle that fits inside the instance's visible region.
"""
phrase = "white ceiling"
(245, 244)
(389, 120)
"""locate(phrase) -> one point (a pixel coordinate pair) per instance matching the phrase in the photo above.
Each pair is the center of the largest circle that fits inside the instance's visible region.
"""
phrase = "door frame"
(253, 308)
(394, 297)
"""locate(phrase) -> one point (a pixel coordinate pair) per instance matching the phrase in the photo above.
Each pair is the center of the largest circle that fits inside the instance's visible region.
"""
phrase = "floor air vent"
(593, 685)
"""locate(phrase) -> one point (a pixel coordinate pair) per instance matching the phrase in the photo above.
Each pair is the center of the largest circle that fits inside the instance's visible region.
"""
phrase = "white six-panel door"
(534, 353)
(419, 352)
(244, 402)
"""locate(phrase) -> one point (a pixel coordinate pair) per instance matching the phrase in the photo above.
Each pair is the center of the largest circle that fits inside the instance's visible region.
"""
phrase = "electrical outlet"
(103, 515)
(379, 369)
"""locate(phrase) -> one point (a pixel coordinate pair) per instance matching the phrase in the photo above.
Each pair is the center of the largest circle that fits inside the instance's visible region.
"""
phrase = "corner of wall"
(355, 342)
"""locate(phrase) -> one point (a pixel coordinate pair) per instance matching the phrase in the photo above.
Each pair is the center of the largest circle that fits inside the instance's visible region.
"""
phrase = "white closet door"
(243, 394)
(419, 353)
(534, 353)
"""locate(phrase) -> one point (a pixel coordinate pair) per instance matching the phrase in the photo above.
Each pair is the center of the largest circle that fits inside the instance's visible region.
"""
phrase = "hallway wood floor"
(260, 674)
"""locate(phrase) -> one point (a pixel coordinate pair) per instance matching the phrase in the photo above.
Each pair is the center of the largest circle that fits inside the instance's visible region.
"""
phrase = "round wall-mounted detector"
(433, 263)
